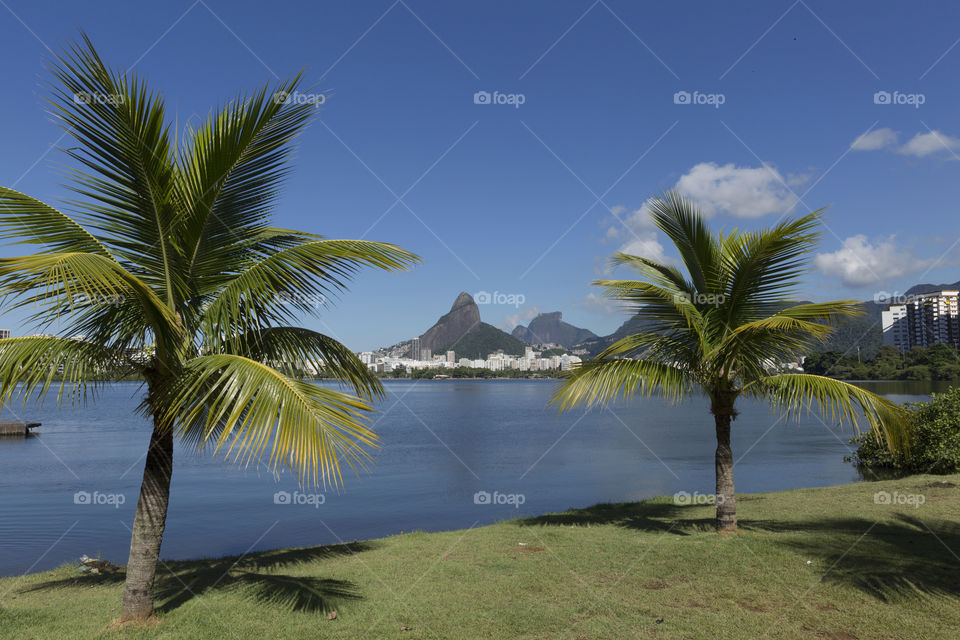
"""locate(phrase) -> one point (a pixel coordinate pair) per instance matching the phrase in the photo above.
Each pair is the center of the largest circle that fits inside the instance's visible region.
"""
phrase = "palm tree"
(721, 328)
(168, 268)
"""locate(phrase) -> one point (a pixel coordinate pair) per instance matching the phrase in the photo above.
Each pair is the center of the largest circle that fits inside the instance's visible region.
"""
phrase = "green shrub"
(935, 446)
(918, 372)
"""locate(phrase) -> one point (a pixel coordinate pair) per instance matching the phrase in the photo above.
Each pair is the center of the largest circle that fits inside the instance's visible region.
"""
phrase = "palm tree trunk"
(725, 498)
(148, 526)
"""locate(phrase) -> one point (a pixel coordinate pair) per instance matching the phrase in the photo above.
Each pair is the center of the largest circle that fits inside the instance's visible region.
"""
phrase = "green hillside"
(483, 340)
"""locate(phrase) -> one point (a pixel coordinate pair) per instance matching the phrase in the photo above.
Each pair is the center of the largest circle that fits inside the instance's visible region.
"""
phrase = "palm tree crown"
(721, 326)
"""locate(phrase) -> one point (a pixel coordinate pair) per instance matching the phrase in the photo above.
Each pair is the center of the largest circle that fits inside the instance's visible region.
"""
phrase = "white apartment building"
(896, 333)
(924, 320)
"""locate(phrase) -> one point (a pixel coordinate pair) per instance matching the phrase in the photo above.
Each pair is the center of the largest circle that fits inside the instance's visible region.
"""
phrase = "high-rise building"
(923, 320)
(896, 332)
(451, 356)
(4, 334)
(415, 348)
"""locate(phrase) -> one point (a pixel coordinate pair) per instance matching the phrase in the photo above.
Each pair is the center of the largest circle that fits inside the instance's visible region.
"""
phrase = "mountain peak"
(463, 317)
(463, 299)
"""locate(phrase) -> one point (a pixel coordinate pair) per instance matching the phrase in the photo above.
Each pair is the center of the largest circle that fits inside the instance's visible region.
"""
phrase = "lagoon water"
(443, 442)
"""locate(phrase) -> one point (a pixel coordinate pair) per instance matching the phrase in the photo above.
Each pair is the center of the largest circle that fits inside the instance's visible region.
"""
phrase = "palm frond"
(30, 366)
(764, 267)
(26, 220)
(837, 400)
(297, 350)
(298, 280)
(244, 407)
(232, 172)
(127, 182)
(62, 283)
(600, 382)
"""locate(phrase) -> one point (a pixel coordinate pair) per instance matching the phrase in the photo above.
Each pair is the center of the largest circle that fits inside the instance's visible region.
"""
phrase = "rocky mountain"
(463, 317)
(461, 330)
(550, 327)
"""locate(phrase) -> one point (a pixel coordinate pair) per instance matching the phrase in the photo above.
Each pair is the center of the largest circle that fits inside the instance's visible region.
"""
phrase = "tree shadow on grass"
(891, 559)
(255, 576)
(897, 557)
(651, 516)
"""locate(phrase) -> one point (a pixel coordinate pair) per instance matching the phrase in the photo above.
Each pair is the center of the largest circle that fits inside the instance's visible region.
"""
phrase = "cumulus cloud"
(745, 192)
(636, 233)
(860, 262)
(923, 144)
(920, 145)
(876, 139)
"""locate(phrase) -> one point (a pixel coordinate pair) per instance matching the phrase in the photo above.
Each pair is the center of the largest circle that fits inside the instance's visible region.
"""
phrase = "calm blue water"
(443, 441)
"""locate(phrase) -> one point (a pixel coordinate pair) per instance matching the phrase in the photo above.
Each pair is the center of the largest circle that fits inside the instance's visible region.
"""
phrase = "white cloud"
(745, 192)
(636, 233)
(876, 139)
(923, 144)
(600, 304)
(523, 316)
(920, 145)
(861, 263)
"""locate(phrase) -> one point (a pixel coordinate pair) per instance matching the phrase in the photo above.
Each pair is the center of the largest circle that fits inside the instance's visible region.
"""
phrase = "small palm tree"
(721, 329)
(169, 268)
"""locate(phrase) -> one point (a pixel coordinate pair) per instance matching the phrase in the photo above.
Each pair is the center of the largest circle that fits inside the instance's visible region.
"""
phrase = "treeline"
(469, 372)
(938, 362)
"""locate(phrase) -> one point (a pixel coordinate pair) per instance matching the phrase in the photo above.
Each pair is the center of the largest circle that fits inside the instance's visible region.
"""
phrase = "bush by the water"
(935, 446)
(937, 362)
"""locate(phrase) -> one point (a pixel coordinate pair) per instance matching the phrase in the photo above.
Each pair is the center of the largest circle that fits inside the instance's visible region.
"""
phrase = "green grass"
(812, 563)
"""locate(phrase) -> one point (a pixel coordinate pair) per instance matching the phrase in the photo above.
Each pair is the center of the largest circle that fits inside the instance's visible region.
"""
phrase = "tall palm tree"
(720, 327)
(168, 267)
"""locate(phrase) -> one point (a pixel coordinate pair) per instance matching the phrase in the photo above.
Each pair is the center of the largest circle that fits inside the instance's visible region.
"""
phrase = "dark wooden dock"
(16, 428)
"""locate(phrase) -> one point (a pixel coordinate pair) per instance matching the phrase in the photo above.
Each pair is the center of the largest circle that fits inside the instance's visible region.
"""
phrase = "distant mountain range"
(461, 330)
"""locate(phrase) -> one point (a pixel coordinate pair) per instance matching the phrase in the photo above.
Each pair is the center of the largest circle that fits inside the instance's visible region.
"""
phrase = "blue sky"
(530, 200)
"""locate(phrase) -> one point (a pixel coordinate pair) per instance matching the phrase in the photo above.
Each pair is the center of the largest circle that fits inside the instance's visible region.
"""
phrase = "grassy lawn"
(812, 563)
